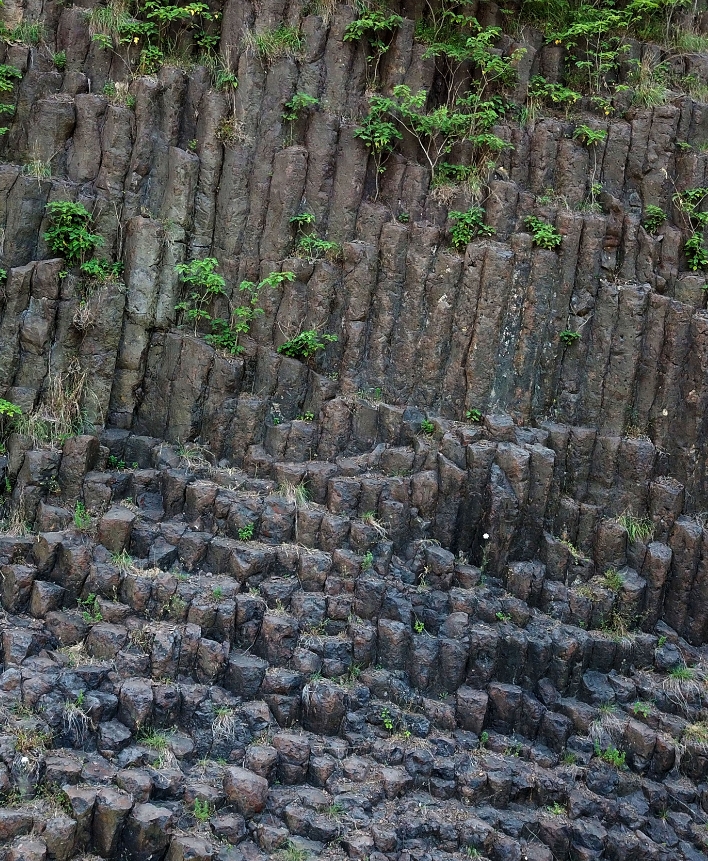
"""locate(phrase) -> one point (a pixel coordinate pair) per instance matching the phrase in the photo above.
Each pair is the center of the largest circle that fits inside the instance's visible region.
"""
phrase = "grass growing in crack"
(153, 739)
(684, 685)
(30, 740)
(369, 517)
(638, 528)
(77, 722)
(607, 726)
(123, 561)
(291, 852)
(224, 725)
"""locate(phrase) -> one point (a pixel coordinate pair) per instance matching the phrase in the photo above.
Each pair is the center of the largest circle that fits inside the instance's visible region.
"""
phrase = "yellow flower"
(136, 40)
(557, 42)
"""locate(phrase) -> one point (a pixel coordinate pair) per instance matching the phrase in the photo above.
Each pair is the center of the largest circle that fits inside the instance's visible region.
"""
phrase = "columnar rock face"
(435, 591)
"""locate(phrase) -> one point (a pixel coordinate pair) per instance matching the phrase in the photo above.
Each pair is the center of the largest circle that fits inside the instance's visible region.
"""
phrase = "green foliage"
(654, 217)
(589, 136)
(313, 248)
(299, 104)
(689, 202)
(82, 519)
(378, 29)
(101, 270)
(202, 810)
(281, 41)
(613, 580)
(306, 344)
(89, 609)
(467, 226)
(7, 75)
(569, 337)
(682, 674)
(419, 626)
(427, 427)
(611, 755)
(302, 220)
(59, 59)
(483, 739)
(544, 234)
(553, 94)
(123, 560)
(245, 533)
(661, 641)
(8, 410)
(154, 739)
(115, 462)
(156, 27)
(642, 708)
(502, 617)
(473, 415)
(696, 252)
(556, 809)
(69, 233)
(638, 528)
(387, 719)
(25, 33)
(452, 40)
(367, 561)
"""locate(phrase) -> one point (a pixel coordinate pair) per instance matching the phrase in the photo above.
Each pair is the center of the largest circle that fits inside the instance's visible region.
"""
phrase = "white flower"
(485, 536)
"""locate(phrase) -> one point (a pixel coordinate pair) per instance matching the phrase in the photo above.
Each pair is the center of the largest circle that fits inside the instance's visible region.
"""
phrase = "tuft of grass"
(613, 580)
(274, 43)
(123, 561)
(638, 528)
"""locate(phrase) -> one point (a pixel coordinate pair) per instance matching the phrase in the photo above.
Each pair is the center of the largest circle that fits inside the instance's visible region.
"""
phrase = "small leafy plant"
(245, 533)
(299, 104)
(473, 415)
(611, 755)
(82, 519)
(367, 561)
(427, 427)
(696, 252)
(642, 708)
(589, 136)
(306, 344)
(69, 234)
(419, 626)
(613, 580)
(544, 234)
(378, 29)
(467, 226)
(654, 217)
(101, 270)
(569, 337)
(202, 810)
(89, 609)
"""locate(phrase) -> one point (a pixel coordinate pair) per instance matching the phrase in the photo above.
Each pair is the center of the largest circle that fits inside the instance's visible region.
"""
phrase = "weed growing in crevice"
(544, 234)
(306, 345)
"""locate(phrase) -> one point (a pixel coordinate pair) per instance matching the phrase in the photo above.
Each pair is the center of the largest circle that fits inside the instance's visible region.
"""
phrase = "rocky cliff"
(354, 465)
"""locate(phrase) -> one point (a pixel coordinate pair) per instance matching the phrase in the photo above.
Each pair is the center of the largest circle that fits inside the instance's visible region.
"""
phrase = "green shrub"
(654, 217)
(69, 234)
(7, 75)
(102, 270)
(299, 104)
(589, 136)
(378, 29)
(467, 226)
(306, 344)
(427, 427)
(696, 252)
(59, 60)
(544, 234)
(555, 94)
